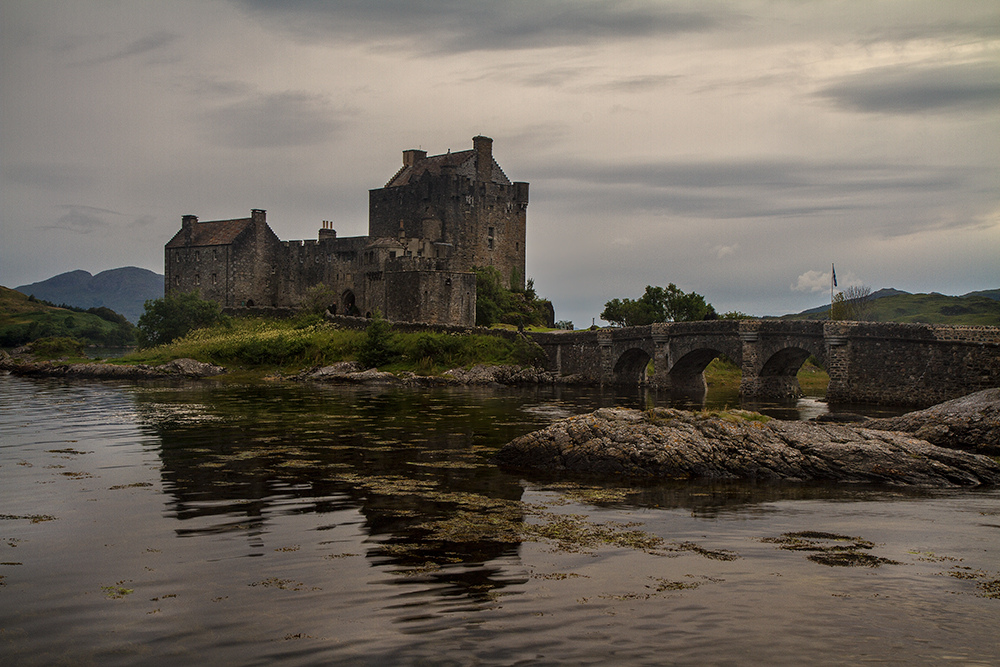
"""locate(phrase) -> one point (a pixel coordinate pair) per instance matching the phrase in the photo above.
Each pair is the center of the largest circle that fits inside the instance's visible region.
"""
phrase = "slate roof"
(215, 232)
(464, 163)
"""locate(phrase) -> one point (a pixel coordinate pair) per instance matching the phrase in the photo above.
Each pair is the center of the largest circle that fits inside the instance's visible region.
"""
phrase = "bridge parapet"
(910, 364)
(887, 363)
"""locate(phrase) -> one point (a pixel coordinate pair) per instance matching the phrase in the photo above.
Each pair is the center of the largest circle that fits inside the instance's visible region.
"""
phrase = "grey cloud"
(83, 219)
(136, 47)
(272, 121)
(636, 84)
(911, 89)
(48, 175)
(467, 25)
(765, 190)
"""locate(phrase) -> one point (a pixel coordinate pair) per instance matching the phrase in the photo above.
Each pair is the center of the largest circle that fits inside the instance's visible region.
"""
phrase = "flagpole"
(833, 281)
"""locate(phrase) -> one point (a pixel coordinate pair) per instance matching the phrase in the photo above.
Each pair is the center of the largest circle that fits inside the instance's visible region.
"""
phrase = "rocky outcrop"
(971, 422)
(673, 444)
(177, 368)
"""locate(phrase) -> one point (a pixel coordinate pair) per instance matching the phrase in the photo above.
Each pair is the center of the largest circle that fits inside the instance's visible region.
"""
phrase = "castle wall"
(435, 221)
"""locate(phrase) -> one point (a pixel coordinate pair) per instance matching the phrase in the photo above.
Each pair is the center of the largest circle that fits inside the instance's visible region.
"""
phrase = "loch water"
(163, 524)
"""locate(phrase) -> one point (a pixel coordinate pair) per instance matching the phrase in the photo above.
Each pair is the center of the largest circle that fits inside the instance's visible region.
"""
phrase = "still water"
(294, 525)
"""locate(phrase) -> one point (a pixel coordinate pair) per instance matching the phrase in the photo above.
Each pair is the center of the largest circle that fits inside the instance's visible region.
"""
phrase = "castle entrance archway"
(350, 303)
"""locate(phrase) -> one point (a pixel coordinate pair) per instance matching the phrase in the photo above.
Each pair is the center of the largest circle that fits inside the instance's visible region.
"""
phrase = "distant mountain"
(988, 293)
(123, 290)
(824, 310)
(982, 308)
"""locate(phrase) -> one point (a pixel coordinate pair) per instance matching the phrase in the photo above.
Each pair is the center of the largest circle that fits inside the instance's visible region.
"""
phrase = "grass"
(723, 373)
(254, 345)
(974, 309)
(23, 320)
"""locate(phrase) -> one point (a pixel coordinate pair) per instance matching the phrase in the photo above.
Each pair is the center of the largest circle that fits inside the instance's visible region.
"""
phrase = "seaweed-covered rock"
(971, 422)
(502, 374)
(98, 371)
(673, 444)
(191, 368)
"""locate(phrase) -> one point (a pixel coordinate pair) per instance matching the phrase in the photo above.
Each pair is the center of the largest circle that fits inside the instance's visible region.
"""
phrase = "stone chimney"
(327, 231)
(413, 156)
(258, 215)
(484, 157)
(187, 225)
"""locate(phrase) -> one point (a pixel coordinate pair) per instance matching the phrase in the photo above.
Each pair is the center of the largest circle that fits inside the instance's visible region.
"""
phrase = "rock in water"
(971, 422)
(673, 444)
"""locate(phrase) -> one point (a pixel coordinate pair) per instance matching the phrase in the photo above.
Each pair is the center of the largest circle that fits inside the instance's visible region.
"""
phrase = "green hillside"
(23, 320)
(972, 309)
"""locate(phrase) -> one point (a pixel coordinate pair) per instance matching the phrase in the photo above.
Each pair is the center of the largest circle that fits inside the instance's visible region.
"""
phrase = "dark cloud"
(475, 25)
(914, 89)
(272, 121)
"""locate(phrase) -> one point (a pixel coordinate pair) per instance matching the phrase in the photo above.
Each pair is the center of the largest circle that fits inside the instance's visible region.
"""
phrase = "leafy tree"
(658, 304)
(496, 303)
(175, 315)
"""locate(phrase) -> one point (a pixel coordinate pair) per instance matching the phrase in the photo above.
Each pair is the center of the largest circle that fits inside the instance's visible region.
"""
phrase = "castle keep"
(436, 219)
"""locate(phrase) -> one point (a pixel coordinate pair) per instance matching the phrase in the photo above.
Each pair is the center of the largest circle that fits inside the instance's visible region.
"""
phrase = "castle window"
(197, 255)
(215, 279)
(215, 255)
(197, 279)
(177, 281)
(178, 257)
(489, 238)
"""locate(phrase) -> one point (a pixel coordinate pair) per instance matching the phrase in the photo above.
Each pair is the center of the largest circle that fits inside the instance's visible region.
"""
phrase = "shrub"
(376, 347)
(61, 346)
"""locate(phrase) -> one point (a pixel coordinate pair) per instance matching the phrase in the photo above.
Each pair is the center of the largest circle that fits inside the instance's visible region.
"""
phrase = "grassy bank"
(292, 345)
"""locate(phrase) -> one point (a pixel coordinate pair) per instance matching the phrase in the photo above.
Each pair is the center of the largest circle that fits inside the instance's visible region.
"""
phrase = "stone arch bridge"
(868, 362)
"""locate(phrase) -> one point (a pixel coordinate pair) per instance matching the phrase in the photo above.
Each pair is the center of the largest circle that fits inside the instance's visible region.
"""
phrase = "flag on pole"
(833, 274)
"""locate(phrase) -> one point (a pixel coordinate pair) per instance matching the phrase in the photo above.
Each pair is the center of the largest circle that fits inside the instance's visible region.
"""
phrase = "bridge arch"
(686, 375)
(630, 368)
(778, 374)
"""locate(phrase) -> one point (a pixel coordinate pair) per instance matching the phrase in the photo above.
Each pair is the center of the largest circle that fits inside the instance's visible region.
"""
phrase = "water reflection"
(414, 464)
(340, 525)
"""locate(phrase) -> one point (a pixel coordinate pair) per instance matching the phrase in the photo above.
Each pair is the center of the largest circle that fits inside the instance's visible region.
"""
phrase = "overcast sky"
(734, 148)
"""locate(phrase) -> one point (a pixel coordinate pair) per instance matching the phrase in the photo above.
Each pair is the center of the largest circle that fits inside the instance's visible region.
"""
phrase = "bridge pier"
(835, 337)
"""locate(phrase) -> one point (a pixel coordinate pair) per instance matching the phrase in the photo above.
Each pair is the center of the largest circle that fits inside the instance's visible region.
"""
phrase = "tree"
(658, 304)
(174, 316)
(855, 303)
(318, 299)
(495, 303)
